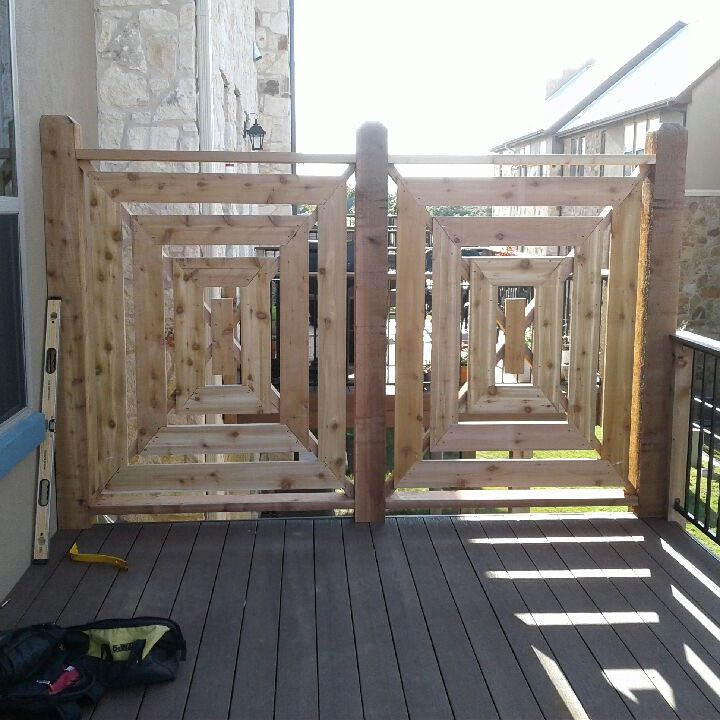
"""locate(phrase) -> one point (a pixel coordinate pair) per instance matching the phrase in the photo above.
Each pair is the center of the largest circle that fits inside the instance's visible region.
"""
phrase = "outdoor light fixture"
(255, 133)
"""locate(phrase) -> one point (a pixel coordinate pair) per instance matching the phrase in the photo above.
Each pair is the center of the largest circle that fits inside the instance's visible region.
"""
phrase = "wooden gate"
(201, 331)
(518, 397)
(199, 338)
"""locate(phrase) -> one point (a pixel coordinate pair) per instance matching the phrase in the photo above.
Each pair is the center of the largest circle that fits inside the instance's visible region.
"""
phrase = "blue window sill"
(19, 437)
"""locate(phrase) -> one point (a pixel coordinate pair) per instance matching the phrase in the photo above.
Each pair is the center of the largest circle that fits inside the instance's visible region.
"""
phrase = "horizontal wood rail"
(226, 156)
(122, 503)
(509, 159)
(504, 191)
(159, 187)
(211, 156)
(468, 499)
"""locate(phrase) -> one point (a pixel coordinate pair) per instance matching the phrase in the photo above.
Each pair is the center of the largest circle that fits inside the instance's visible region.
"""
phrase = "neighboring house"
(131, 73)
(599, 109)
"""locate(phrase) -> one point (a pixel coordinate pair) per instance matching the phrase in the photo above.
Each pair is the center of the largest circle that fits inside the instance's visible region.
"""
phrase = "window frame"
(21, 433)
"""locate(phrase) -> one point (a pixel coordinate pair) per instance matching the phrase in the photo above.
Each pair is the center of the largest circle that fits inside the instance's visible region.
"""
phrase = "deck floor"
(436, 617)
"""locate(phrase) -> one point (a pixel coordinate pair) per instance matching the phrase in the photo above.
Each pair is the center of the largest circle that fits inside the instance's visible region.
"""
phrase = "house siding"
(56, 75)
(699, 302)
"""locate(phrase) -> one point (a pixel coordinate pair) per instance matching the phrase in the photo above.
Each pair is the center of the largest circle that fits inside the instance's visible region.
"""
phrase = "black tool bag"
(46, 670)
(119, 653)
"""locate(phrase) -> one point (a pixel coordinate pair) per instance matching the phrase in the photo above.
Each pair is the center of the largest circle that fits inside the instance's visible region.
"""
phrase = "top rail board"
(227, 156)
(510, 159)
(215, 156)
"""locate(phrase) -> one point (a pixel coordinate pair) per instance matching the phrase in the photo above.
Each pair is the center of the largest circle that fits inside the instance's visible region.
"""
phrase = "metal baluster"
(698, 462)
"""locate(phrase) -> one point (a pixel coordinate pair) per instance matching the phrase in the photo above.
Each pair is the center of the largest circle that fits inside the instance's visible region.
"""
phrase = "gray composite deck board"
(338, 675)
(423, 684)
(255, 673)
(90, 592)
(509, 687)
(380, 682)
(581, 667)
(296, 687)
(607, 642)
(56, 593)
(212, 681)
(167, 701)
(157, 600)
(434, 617)
(467, 690)
(33, 580)
(526, 641)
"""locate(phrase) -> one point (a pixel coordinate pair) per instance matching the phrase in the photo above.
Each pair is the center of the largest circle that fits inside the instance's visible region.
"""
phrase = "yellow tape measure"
(77, 556)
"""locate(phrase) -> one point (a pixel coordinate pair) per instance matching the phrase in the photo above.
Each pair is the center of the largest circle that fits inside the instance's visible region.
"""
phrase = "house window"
(21, 429)
(13, 391)
(13, 395)
(577, 147)
(636, 131)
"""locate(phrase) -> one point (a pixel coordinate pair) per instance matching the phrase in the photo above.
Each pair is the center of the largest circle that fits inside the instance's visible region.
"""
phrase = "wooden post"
(66, 257)
(371, 268)
(656, 319)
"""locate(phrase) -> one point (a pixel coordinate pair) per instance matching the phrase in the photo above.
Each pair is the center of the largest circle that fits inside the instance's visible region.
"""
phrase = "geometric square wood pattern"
(489, 412)
(220, 340)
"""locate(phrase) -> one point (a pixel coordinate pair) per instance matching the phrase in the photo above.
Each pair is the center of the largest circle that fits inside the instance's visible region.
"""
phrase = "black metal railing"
(701, 499)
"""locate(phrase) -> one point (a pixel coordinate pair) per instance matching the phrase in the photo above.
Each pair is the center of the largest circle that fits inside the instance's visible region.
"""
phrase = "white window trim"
(15, 206)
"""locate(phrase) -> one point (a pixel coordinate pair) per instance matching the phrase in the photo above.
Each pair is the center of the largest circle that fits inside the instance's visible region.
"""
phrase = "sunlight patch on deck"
(567, 574)
(556, 540)
(628, 681)
(690, 567)
(554, 619)
(696, 612)
(563, 687)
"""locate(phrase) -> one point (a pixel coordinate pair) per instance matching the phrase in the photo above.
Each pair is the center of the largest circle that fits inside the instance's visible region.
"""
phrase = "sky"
(454, 76)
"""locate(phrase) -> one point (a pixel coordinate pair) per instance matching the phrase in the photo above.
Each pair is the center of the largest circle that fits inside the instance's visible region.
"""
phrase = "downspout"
(204, 74)
(205, 119)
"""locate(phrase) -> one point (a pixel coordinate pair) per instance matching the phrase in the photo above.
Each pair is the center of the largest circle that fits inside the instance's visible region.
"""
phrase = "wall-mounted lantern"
(255, 133)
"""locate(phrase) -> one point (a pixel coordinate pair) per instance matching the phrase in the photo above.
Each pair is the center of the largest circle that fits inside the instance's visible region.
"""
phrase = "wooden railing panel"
(294, 376)
(483, 331)
(256, 334)
(190, 335)
(620, 332)
(151, 388)
(332, 328)
(223, 336)
(585, 335)
(445, 334)
(547, 337)
(518, 231)
(514, 362)
(410, 325)
(107, 331)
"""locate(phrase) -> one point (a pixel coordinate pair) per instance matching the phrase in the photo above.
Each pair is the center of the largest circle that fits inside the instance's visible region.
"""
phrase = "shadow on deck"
(437, 617)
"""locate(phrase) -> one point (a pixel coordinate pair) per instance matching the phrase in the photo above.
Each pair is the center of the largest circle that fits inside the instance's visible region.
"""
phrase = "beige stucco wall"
(703, 124)
(56, 75)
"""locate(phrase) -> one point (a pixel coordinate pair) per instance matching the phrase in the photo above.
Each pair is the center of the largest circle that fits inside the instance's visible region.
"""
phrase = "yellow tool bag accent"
(137, 651)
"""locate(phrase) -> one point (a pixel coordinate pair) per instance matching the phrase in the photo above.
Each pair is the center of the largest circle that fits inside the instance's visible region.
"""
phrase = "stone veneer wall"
(147, 73)
(147, 96)
(699, 304)
(272, 23)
